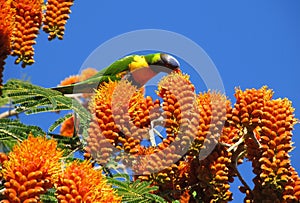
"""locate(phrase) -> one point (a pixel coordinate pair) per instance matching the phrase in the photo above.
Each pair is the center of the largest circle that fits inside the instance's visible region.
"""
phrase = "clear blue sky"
(252, 43)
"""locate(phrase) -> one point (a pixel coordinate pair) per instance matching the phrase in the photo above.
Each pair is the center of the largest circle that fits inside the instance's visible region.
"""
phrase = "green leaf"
(136, 191)
(12, 130)
(49, 197)
(59, 122)
(33, 99)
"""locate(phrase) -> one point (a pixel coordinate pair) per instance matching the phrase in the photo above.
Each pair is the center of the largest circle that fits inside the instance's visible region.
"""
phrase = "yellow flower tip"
(174, 79)
(86, 184)
(117, 93)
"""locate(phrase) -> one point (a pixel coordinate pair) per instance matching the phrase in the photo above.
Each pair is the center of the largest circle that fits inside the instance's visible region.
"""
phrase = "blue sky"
(252, 43)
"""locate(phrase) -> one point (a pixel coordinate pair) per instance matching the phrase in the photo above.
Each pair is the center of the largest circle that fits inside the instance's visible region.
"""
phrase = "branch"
(10, 113)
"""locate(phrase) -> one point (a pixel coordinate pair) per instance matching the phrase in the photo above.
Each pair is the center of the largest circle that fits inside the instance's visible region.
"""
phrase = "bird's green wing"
(113, 72)
(109, 73)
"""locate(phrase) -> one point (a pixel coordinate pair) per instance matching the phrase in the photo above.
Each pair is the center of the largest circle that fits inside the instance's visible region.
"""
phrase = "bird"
(138, 69)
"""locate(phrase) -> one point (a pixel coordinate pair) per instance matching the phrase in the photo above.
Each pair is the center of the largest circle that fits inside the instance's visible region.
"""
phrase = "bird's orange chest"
(143, 75)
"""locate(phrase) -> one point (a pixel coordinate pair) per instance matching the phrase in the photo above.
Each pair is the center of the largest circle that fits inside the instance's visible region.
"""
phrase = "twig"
(10, 113)
(237, 154)
(236, 145)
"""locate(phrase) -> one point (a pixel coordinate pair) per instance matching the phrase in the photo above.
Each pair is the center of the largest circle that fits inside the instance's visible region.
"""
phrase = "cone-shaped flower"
(79, 182)
(55, 19)
(32, 168)
(28, 20)
(6, 28)
(116, 124)
(273, 168)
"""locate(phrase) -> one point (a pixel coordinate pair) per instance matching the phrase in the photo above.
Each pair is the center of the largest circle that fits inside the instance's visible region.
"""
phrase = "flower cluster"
(55, 19)
(266, 125)
(203, 141)
(6, 29)
(20, 22)
(31, 169)
(121, 117)
(79, 182)
(27, 22)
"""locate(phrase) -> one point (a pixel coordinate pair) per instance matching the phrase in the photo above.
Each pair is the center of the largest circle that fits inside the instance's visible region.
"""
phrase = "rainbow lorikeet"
(138, 69)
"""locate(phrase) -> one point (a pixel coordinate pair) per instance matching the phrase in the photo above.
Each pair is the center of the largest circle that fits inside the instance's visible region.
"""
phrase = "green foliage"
(32, 99)
(49, 197)
(136, 191)
(12, 130)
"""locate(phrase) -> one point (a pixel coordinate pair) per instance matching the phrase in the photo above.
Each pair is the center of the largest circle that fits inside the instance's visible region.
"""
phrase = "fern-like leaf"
(12, 131)
(134, 192)
(33, 99)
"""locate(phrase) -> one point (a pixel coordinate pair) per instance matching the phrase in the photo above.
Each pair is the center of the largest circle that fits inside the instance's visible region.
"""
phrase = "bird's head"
(161, 62)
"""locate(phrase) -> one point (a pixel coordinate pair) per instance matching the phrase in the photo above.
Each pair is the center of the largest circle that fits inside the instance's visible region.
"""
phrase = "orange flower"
(185, 197)
(266, 125)
(214, 108)
(28, 20)
(32, 168)
(87, 73)
(57, 14)
(247, 108)
(79, 182)
(70, 80)
(110, 109)
(67, 127)
(214, 176)
(272, 165)
(3, 157)
(6, 28)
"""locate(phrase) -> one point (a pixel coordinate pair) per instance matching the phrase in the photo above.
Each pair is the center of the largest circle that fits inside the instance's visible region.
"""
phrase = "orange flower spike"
(67, 127)
(247, 109)
(215, 170)
(214, 108)
(28, 20)
(107, 106)
(180, 109)
(274, 170)
(55, 19)
(6, 28)
(81, 183)
(32, 168)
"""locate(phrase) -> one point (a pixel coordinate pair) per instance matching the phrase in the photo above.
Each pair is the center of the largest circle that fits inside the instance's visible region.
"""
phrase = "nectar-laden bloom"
(79, 182)
(32, 168)
(56, 16)
(116, 124)
(27, 22)
(6, 28)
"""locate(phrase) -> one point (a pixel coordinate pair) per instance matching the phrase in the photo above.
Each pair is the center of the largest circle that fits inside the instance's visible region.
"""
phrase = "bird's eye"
(169, 61)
